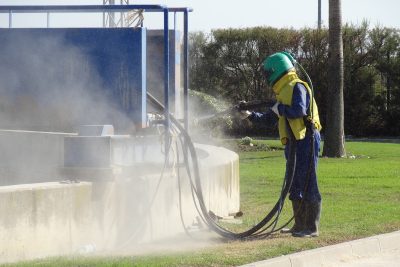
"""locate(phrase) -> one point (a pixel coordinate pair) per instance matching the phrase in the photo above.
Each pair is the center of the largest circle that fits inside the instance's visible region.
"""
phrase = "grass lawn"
(361, 197)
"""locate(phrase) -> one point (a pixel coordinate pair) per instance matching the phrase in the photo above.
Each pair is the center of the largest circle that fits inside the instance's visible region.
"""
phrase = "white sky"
(213, 14)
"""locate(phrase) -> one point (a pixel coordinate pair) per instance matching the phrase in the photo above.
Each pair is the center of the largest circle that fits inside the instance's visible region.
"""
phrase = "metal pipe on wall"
(186, 70)
(166, 77)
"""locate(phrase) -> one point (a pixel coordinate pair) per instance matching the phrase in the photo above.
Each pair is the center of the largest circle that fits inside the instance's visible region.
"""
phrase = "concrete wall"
(45, 219)
(148, 206)
(220, 170)
(135, 200)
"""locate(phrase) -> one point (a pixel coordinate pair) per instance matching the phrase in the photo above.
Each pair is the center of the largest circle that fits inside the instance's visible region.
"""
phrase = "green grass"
(361, 197)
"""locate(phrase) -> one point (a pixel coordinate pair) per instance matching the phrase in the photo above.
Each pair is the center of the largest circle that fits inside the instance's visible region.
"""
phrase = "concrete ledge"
(219, 168)
(326, 256)
(133, 200)
(45, 219)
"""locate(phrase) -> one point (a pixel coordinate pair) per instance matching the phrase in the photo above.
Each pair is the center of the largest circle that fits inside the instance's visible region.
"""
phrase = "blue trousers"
(298, 191)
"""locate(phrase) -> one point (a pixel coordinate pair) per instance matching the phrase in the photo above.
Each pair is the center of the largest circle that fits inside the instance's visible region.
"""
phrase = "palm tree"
(334, 128)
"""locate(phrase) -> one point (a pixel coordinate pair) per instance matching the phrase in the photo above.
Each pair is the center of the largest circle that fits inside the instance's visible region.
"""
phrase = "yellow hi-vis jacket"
(283, 89)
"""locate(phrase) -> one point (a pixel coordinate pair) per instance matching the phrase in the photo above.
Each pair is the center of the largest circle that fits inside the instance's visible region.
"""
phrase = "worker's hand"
(244, 114)
(275, 109)
(241, 104)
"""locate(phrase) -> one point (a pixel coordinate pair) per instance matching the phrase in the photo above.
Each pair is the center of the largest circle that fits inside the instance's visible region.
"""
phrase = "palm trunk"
(334, 128)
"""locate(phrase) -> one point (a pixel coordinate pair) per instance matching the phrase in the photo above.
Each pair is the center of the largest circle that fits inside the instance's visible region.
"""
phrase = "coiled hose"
(261, 229)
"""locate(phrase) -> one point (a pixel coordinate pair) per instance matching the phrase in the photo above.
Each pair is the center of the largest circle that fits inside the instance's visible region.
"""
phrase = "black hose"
(180, 197)
(310, 168)
(290, 170)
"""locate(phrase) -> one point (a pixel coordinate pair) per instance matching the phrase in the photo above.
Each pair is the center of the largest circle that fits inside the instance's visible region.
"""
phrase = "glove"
(244, 114)
(275, 109)
(241, 104)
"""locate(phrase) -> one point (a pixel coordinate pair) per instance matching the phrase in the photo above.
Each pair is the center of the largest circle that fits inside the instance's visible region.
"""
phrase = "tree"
(204, 71)
(334, 125)
(359, 79)
(226, 64)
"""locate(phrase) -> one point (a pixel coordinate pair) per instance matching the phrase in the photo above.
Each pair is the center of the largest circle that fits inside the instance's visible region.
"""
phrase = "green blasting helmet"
(277, 65)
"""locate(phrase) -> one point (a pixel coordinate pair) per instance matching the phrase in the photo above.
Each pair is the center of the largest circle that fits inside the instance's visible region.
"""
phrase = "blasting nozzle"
(239, 108)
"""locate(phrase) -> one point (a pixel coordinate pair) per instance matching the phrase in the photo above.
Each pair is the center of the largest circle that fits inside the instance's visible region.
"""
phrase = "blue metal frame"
(80, 8)
(166, 77)
(123, 8)
(186, 70)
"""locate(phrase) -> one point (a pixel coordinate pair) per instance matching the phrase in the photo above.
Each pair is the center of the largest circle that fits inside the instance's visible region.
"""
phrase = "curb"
(330, 254)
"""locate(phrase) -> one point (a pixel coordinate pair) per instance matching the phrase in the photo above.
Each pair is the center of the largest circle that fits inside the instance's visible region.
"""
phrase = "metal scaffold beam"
(132, 18)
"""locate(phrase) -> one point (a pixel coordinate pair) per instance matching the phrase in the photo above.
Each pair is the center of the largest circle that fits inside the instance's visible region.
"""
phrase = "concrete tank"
(127, 197)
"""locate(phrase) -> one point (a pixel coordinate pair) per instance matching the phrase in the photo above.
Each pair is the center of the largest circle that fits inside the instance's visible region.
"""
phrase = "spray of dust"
(49, 88)
(46, 86)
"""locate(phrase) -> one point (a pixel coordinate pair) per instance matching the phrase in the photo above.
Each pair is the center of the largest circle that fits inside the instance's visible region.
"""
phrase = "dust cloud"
(47, 89)
(48, 85)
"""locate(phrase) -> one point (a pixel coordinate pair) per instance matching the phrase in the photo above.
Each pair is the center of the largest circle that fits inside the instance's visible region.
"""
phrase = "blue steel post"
(186, 70)
(10, 19)
(166, 79)
(319, 14)
(175, 20)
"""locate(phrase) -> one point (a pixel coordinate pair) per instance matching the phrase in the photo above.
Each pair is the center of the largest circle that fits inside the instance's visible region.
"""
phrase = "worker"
(296, 108)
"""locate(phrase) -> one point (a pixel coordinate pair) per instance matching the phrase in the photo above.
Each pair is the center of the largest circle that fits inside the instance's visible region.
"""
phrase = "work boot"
(313, 214)
(299, 218)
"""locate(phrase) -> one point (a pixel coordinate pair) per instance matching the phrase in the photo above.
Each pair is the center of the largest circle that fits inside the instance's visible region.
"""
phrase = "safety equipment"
(312, 217)
(275, 109)
(277, 65)
(284, 93)
(299, 218)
